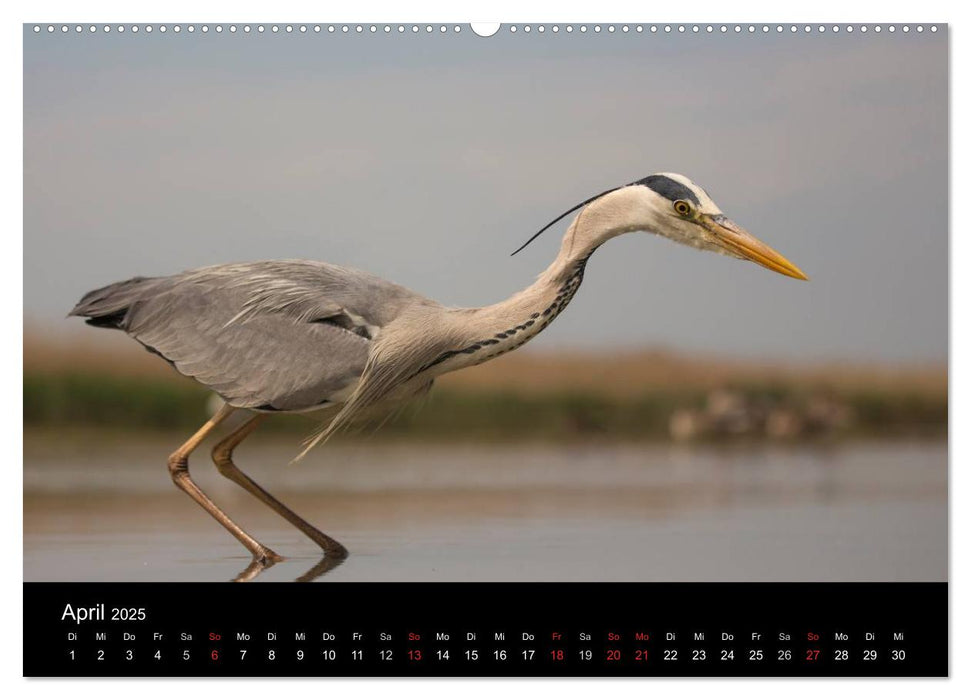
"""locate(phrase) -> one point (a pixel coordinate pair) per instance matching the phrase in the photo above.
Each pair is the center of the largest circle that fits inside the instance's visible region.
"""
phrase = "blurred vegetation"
(87, 399)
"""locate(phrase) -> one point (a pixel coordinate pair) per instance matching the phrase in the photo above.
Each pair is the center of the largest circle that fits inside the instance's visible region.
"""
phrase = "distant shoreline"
(104, 380)
(621, 373)
(80, 400)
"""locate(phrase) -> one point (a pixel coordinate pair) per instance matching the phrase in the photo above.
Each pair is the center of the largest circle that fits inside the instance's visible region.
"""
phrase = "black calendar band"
(479, 629)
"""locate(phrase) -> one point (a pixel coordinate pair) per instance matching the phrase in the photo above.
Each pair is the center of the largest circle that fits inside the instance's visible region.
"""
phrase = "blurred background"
(689, 417)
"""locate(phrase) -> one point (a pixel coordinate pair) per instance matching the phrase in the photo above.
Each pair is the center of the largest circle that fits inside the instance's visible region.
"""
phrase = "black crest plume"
(566, 213)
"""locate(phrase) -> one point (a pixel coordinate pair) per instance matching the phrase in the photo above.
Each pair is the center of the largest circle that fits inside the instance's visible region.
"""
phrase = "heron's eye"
(682, 207)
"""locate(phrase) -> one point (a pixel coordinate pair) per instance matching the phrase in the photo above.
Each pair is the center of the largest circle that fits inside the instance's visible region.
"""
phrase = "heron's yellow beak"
(740, 242)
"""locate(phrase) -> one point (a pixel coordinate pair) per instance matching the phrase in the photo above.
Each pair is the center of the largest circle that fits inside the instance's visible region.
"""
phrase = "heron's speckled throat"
(515, 336)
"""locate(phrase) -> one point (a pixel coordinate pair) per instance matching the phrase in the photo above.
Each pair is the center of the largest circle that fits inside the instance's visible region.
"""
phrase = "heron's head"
(673, 206)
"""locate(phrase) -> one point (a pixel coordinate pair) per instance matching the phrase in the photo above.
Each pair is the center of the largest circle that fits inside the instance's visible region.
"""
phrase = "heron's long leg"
(179, 469)
(222, 455)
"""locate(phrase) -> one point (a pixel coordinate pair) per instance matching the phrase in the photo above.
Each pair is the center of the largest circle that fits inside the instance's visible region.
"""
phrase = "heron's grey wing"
(271, 362)
(275, 336)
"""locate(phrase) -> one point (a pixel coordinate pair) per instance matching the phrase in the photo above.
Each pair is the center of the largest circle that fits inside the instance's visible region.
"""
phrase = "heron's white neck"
(598, 222)
(494, 330)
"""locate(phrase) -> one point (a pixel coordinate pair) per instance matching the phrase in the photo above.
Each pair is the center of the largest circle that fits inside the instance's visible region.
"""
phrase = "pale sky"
(428, 159)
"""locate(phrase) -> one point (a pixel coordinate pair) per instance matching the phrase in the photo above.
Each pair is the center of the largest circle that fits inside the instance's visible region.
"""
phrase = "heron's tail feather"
(109, 307)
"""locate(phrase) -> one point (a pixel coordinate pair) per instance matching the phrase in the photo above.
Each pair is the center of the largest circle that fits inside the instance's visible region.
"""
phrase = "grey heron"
(299, 336)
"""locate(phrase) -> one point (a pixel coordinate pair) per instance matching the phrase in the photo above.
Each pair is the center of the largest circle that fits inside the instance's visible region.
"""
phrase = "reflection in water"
(257, 567)
(322, 567)
(740, 476)
(864, 511)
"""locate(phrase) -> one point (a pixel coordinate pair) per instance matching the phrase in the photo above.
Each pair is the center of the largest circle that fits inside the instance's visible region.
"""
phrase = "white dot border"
(578, 29)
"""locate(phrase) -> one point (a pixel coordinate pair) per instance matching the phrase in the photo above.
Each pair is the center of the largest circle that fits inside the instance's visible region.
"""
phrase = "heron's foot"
(255, 568)
(266, 556)
(263, 559)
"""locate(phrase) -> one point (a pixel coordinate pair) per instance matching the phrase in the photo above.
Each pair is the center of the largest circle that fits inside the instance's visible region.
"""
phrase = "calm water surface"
(96, 510)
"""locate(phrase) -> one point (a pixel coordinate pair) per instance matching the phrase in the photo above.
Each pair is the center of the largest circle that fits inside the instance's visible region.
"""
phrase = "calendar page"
(292, 408)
